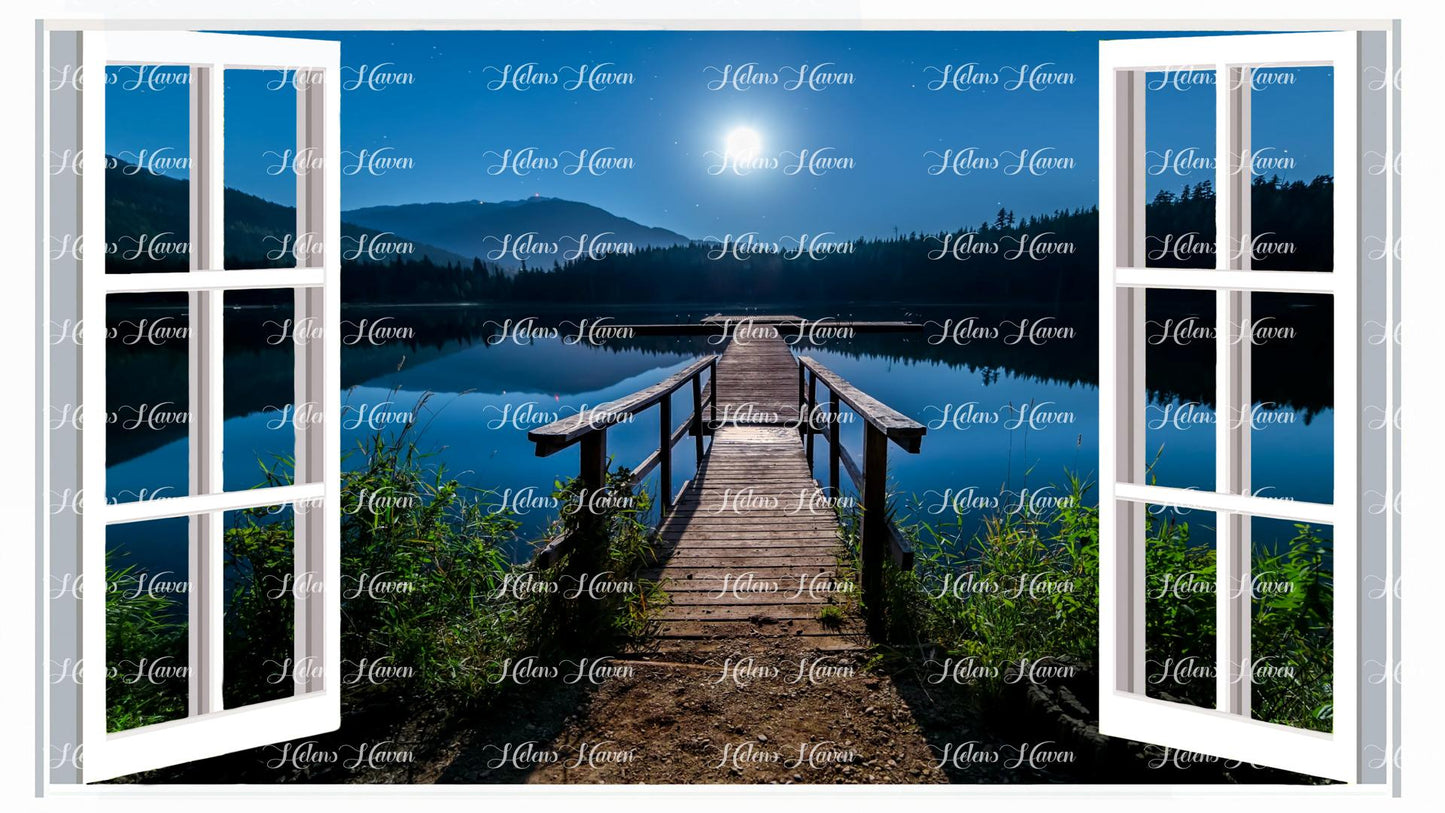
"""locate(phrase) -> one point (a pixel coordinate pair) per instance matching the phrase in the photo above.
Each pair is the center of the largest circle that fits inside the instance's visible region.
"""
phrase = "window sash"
(1125, 711)
(211, 729)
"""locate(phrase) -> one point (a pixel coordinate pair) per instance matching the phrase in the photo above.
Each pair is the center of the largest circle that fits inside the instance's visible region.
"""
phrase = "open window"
(1267, 287)
(206, 695)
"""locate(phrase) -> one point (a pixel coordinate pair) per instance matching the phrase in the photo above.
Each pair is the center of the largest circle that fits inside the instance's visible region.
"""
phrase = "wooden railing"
(881, 424)
(589, 428)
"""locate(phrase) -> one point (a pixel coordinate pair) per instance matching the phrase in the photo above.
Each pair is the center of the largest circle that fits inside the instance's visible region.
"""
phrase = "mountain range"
(147, 225)
(534, 232)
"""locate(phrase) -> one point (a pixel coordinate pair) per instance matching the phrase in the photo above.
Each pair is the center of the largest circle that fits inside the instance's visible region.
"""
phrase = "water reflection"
(1006, 419)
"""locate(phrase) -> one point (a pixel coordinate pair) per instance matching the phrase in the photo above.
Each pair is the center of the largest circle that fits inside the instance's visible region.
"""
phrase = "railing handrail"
(563, 432)
(589, 428)
(898, 427)
(882, 424)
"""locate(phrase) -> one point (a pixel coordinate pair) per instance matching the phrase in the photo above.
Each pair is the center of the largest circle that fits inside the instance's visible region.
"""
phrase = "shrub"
(424, 562)
(141, 629)
(1026, 587)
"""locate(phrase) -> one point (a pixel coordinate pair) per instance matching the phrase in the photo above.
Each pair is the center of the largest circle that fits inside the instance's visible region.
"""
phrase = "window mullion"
(221, 502)
(1216, 279)
(1127, 384)
(311, 394)
(93, 394)
(1232, 396)
(1241, 236)
(1313, 513)
(1376, 403)
(235, 279)
(207, 364)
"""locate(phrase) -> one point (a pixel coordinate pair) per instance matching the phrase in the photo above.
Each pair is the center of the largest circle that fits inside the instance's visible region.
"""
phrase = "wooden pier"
(752, 548)
(749, 549)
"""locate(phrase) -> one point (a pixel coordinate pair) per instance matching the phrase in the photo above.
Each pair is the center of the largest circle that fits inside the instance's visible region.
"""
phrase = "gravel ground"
(734, 716)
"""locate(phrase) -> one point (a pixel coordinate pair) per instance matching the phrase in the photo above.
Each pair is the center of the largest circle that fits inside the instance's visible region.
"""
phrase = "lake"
(1010, 400)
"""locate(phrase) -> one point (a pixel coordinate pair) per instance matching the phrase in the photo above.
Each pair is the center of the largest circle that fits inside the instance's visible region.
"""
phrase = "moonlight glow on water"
(1004, 433)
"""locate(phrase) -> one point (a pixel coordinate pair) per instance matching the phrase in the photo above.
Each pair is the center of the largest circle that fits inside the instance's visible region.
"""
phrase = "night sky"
(434, 108)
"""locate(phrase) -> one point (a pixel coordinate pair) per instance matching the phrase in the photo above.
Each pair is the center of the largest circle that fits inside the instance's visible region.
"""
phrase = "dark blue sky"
(434, 108)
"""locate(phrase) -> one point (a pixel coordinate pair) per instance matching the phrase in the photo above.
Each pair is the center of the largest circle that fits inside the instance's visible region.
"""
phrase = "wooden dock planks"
(752, 550)
(757, 380)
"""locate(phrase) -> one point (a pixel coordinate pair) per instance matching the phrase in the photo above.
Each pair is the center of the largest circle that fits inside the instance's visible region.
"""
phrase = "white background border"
(1423, 54)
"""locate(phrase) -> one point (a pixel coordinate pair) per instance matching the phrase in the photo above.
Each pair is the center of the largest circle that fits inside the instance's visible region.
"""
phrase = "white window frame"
(1361, 288)
(78, 373)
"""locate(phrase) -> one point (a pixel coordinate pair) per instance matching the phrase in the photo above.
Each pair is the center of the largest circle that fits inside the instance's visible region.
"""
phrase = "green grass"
(450, 630)
(439, 624)
(831, 615)
(1044, 571)
(140, 629)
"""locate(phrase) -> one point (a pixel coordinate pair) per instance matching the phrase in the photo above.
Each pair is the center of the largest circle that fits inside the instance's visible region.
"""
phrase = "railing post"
(712, 390)
(875, 522)
(833, 454)
(697, 413)
(589, 555)
(812, 406)
(593, 476)
(802, 392)
(594, 459)
(664, 452)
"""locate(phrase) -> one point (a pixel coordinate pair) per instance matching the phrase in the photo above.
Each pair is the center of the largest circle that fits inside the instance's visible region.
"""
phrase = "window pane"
(1292, 624)
(1179, 611)
(1179, 388)
(146, 623)
(262, 338)
(1292, 382)
(147, 145)
(261, 167)
(1179, 107)
(1292, 169)
(261, 589)
(147, 397)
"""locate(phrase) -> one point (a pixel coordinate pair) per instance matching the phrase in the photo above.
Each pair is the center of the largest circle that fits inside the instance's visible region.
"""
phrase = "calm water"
(1007, 423)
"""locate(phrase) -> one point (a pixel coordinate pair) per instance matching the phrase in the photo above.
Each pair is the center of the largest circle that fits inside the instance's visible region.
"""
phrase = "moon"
(742, 144)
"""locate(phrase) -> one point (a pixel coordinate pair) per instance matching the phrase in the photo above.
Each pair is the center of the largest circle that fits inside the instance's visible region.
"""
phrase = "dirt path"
(722, 718)
(710, 720)
(762, 709)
